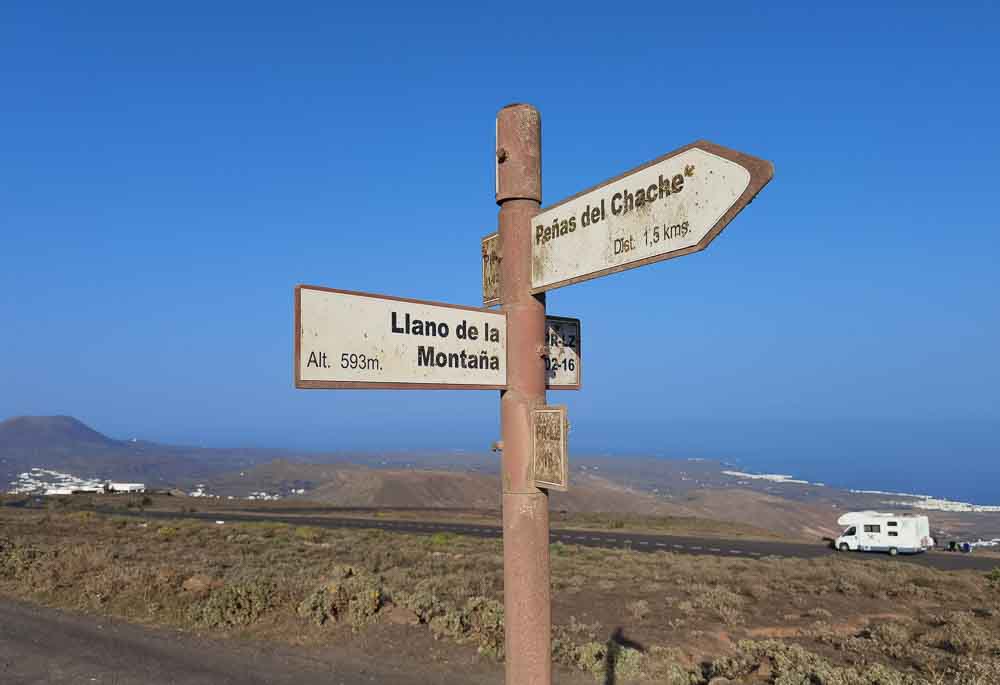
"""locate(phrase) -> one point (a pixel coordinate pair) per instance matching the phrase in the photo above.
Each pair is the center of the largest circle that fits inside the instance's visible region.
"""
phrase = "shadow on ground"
(615, 644)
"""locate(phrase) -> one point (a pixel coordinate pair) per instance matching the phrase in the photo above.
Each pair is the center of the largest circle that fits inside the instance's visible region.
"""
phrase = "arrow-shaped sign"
(672, 206)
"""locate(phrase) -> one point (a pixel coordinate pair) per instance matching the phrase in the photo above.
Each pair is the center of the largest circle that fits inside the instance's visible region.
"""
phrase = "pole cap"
(518, 154)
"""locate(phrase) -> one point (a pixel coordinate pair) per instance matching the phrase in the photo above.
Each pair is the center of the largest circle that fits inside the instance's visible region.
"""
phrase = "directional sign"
(491, 269)
(562, 360)
(672, 206)
(549, 453)
(347, 339)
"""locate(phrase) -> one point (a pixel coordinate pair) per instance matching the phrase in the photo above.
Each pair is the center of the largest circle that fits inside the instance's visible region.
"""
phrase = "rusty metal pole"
(527, 606)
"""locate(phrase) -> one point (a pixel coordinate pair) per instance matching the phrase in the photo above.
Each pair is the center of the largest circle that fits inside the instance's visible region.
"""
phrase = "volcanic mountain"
(65, 444)
(50, 432)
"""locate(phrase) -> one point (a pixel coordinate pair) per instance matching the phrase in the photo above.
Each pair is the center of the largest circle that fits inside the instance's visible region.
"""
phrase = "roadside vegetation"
(646, 618)
(620, 522)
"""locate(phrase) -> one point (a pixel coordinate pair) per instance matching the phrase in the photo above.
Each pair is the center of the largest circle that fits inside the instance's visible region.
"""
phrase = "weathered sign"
(562, 358)
(672, 206)
(347, 339)
(491, 269)
(549, 453)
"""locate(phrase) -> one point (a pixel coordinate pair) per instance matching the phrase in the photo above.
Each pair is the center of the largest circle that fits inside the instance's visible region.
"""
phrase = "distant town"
(49, 482)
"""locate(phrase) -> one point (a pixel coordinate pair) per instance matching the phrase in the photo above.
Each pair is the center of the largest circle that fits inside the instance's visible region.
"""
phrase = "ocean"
(954, 460)
(959, 462)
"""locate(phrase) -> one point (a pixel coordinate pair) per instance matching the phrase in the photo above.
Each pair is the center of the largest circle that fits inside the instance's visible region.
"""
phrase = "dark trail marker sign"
(672, 206)
(562, 354)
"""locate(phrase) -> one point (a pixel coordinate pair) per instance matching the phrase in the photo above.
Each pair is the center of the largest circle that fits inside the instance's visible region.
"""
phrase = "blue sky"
(170, 173)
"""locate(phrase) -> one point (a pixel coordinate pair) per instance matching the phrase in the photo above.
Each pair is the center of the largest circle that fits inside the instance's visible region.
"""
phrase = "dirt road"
(41, 645)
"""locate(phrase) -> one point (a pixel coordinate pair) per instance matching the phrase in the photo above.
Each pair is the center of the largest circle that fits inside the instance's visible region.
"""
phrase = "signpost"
(347, 339)
(672, 206)
(549, 457)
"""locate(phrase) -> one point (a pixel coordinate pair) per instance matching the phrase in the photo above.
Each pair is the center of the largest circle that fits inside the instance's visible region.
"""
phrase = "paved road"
(753, 549)
(41, 645)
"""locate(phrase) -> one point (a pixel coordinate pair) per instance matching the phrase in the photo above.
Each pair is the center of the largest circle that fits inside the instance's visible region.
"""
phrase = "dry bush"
(819, 613)
(975, 671)
(722, 602)
(16, 559)
(790, 664)
(960, 633)
(237, 604)
(639, 609)
(167, 532)
(993, 578)
(309, 534)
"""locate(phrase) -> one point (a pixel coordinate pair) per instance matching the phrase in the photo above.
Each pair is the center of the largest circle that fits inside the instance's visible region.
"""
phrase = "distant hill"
(66, 444)
(348, 485)
(47, 432)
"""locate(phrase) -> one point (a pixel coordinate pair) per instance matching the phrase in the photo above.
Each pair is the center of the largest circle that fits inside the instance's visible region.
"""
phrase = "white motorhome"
(872, 531)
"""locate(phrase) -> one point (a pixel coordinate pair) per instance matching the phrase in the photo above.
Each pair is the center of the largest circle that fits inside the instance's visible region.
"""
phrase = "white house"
(126, 487)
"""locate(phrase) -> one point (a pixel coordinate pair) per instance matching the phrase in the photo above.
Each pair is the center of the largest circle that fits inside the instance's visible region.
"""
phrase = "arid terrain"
(645, 617)
(434, 598)
(662, 488)
(627, 486)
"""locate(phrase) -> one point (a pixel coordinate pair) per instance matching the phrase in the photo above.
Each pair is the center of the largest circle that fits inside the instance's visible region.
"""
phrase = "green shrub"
(83, 516)
(15, 559)
(794, 665)
(599, 658)
(167, 532)
(485, 620)
(318, 607)
(450, 623)
(993, 578)
(960, 633)
(309, 534)
(665, 667)
(976, 671)
(350, 595)
(266, 529)
(442, 539)
(423, 600)
(239, 604)
(724, 603)
(591, 657)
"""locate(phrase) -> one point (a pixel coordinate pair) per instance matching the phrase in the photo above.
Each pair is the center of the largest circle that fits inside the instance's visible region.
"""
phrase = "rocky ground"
(657, 618)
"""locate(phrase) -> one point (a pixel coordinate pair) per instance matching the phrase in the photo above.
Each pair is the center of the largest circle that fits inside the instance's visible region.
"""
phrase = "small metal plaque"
(491, 270)
(549, 451)
(562, 358)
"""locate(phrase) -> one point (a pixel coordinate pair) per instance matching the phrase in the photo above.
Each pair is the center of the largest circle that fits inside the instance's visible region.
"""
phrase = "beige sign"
(562, 358)
(347, 339)
(549, 451)
(491, 269)
(672, 206)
